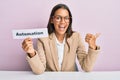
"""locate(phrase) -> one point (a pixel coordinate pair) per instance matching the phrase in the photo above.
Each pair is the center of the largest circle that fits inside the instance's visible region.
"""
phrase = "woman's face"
(61, 20)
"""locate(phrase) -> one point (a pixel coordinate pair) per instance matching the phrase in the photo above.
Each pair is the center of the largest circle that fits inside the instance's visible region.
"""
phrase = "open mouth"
(62, 28)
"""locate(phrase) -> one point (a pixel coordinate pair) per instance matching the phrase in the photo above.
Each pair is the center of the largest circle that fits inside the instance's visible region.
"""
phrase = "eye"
(66, 18)
(57, 17)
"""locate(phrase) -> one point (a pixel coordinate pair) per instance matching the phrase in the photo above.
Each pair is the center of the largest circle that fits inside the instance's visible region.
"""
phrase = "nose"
(62, 20)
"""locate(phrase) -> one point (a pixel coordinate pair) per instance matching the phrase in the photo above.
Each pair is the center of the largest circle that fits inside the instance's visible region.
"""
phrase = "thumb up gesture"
(91, 40)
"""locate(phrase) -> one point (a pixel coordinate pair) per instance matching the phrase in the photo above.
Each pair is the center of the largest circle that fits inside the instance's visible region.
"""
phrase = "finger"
(27, 47)
(87, 39)
(26, 40)
(97, 35)
(27, 43)
(88, 36)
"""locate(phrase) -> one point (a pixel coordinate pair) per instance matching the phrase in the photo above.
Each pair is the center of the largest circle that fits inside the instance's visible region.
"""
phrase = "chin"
(62, 33)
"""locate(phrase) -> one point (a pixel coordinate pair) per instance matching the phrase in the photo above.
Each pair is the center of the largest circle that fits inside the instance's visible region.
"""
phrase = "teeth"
(61, 27)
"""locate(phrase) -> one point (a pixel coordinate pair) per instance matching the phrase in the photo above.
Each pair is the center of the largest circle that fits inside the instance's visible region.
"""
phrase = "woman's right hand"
(27, 46)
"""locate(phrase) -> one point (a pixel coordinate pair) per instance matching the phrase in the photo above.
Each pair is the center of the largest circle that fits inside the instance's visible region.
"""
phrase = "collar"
(58, 43)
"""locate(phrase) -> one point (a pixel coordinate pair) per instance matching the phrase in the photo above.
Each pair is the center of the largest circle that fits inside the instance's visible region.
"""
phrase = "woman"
(58, 51)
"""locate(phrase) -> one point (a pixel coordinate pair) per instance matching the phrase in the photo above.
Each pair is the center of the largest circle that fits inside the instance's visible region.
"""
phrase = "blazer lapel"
(54, 51)
(67, 49)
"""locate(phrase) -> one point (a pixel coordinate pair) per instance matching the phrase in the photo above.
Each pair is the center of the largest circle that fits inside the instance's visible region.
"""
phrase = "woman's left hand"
(91, 40)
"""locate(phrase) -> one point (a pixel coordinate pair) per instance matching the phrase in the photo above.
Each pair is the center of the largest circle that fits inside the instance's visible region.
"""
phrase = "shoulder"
(75, 35)
(43, 39)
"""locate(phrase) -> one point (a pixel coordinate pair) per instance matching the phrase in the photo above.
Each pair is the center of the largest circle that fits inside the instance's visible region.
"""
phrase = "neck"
(60, 37)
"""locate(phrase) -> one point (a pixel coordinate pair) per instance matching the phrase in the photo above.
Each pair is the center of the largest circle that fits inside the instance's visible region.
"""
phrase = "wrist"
(31, 54)
(93, 47)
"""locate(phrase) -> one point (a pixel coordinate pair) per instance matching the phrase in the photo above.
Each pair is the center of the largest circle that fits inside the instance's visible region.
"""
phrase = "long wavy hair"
(50, 25)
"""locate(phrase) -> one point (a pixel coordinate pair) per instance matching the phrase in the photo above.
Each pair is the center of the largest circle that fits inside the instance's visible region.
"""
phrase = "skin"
(91, 40)
(60, 29)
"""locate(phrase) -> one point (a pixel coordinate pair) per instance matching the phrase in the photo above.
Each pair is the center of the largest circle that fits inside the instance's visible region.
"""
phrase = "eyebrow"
(62, 16)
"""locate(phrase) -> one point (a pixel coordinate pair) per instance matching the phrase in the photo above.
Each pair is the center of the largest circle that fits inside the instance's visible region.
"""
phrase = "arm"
(86, 60)
(36, 59)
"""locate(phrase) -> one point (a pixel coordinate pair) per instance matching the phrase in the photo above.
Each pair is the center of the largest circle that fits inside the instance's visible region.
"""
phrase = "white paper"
(32, 33)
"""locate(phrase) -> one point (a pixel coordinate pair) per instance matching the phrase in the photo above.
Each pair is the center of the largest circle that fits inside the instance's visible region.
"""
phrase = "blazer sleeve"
(38, 62)
(86, 59)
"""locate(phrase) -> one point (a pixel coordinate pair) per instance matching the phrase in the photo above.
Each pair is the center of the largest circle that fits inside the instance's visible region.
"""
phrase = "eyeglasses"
(59, 18)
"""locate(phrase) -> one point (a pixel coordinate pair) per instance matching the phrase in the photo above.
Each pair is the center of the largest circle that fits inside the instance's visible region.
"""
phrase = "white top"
(60, 48)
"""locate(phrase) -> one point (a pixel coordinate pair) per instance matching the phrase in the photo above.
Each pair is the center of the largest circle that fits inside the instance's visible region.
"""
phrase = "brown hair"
(50, 25)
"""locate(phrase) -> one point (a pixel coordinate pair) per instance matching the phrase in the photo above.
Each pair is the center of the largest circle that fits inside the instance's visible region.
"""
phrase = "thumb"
(97, 35)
